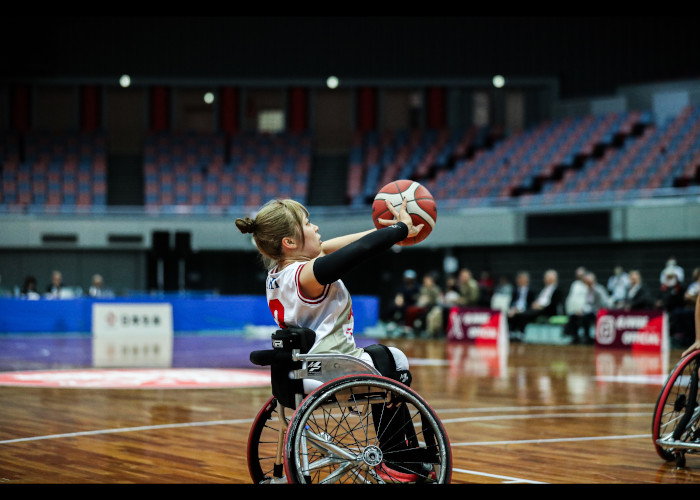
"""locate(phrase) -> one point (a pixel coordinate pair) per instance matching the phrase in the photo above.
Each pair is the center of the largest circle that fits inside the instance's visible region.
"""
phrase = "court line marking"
(512, 480)
(553, 407)
(507, 479)
(250, 420)
(554, 440)
(542, 415)
(129, 429)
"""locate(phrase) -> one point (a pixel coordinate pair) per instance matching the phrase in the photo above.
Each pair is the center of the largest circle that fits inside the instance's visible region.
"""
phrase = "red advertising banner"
(632, 330)
(482, 326)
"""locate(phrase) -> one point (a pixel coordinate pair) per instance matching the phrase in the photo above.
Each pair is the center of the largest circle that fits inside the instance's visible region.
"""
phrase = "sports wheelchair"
(362, 425)
(676, 423)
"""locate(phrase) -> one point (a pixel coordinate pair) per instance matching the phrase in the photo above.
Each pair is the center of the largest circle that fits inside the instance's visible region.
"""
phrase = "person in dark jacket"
(638, 295)
(549, 302)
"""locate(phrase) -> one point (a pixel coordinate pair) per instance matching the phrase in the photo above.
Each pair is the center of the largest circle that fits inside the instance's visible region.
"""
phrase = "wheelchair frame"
(676, 422)
(351, 390)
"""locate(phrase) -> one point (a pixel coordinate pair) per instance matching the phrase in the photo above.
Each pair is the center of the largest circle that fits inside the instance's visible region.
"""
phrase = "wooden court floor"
(532, 414)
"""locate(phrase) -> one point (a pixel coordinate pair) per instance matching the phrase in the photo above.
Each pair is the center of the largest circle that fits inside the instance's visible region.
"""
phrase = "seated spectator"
(693, 289)
(451, 295)
(409, 288)
(57, 289)
(549, 302)
(396, 312)
(28, 290)
(672, 266)
(464, 292)
(578, 293)
(97, 288)
(502, 295)
(638, 296)
(468, 289)
(436, 320)
(583, 315)
(618, 284)
(523, 296)
(671, 292)
(429, 297)
(405, 297)
(56, 285)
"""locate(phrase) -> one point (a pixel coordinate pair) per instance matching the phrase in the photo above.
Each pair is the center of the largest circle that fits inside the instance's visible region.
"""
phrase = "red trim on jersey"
(302, 297)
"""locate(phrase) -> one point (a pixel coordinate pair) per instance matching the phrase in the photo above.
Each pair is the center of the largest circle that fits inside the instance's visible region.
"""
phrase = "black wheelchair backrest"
(281, 362)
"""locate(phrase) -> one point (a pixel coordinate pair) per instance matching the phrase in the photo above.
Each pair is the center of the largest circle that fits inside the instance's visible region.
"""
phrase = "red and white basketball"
(421, 206)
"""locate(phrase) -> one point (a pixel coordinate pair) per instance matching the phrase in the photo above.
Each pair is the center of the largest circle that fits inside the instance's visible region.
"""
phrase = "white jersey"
(329, 315)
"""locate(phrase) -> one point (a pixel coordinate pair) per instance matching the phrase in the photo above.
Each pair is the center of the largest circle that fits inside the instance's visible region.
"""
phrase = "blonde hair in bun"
(275, 220)
(245, 225)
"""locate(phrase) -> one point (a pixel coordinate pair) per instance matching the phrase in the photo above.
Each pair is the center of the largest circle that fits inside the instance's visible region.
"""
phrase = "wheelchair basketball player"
(304, 287)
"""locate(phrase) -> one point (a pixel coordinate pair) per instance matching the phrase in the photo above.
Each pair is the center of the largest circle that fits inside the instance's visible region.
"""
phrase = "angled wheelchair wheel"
(366, 429)
(266, 443)
(676, 413)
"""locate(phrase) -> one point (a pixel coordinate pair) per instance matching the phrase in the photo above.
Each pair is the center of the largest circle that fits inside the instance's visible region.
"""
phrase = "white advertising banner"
(128, 335)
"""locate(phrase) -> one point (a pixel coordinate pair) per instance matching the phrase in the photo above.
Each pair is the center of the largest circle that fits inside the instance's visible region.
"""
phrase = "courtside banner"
(132, 335)
(477, 325)
(634, 330)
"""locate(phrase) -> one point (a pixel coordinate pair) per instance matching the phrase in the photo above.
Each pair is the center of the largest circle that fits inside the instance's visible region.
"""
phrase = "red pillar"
(160, 109)
(228, 110)
(366, 109)
(90, 112)
(298, 110)
(436, 108)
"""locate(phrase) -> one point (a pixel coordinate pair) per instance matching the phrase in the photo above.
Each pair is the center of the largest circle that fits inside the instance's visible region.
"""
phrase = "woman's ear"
(289, 242)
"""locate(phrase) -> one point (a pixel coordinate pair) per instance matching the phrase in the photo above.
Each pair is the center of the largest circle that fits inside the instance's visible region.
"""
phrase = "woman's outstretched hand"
(401, 215)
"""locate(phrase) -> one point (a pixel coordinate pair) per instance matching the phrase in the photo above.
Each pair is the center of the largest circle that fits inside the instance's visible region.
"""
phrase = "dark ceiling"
(588, 56)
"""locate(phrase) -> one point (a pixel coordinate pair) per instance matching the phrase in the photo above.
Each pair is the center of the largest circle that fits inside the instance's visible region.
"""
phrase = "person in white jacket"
(590, 297)
(578, 291)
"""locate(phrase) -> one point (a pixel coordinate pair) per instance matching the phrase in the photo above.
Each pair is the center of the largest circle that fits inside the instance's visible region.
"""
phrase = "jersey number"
(277, 310)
